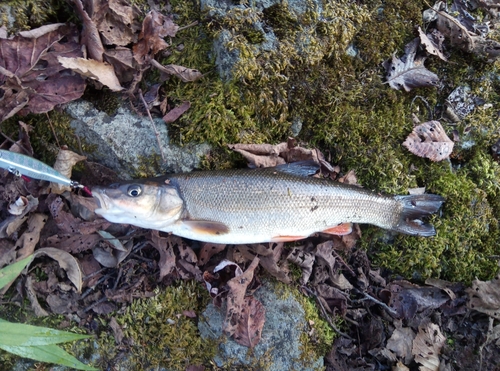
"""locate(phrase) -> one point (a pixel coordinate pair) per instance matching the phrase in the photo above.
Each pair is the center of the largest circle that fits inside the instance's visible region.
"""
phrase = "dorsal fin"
(300, 168)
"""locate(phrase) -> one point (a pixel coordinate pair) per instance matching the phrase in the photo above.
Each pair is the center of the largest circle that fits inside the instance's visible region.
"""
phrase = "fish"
(244, 206)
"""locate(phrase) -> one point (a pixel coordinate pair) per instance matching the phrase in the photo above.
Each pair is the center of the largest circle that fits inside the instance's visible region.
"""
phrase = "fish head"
(146, 205)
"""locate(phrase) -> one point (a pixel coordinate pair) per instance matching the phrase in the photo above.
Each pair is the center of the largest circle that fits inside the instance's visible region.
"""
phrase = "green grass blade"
(48, 353)
(19, 334)
(10, 272)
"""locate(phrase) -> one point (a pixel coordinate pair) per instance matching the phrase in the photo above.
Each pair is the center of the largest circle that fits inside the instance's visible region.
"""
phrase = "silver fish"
(259, 205)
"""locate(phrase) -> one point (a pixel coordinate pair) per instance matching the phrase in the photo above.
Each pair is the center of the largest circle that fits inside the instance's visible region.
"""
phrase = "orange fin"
(287, 238)
(206, 227)
(340, 230)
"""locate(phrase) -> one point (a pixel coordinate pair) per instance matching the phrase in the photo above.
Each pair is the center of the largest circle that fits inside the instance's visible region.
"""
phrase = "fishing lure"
(19, 164)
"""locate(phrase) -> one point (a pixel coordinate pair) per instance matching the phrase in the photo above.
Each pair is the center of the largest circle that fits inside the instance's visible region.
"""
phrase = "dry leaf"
(167, 261)
(409, 72)
(31, 78)
(427, 346)
(67, 262)
(28, 240)
(401, 342)
(123, 63)
(245, 316)
(90, 34)
(429, 140)
(455, 32)
(18, 207)
(484, 296)
(64, 164)
(155, 27)
(177, 112)
(99, 71)
(433, 43)
(184, 73)
(207, 251)
(118, 22)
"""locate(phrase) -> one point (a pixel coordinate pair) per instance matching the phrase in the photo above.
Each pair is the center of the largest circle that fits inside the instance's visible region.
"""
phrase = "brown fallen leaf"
(67, 262)
(18, 207)
(28, 240)
(167, 261)
(95, 70)
(484, 296)
(117, 330)
(207, 251)
(177, 112)
(123, 62)
(433, 42)
(409, 72)
(64, 164)
(90, 34)
(117, 21)
(401, 342)
(429, 140)
(427, 346)
(245, 316)
(155, 27)
(184, 73)
(31, 78)
(303, 259)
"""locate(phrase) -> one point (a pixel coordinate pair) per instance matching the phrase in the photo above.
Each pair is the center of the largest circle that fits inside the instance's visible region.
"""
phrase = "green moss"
(29, 14)
(158, 334)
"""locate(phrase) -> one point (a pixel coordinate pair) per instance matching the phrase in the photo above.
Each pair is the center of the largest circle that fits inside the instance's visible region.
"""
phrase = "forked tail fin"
(415, 208)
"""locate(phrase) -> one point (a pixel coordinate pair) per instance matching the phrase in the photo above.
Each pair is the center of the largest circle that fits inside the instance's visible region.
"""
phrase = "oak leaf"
(484, 296)
(427, 346)
(429, 140)
(409, 72)
(245, 316)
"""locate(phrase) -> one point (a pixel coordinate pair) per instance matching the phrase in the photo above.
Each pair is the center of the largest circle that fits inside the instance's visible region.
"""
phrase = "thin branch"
(189, 25)
(369, 297)
(53, 131)
(157, 134)
(325, 314)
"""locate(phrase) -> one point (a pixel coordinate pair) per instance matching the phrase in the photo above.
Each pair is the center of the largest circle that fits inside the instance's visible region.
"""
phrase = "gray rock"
(280, 345)
(125, 141)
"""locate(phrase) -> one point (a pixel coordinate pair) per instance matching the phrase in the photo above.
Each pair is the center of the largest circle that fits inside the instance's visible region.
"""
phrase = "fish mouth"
(99, 196)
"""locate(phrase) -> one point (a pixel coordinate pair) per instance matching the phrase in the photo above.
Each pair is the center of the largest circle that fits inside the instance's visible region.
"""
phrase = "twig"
(369, 297)
(486, 342)
(157, 134)
(189, 25)
(343, 262)
(26, 151)
(53, 131)
(325, 314)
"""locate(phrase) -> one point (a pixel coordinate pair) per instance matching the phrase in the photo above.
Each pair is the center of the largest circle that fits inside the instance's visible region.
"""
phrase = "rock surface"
(280, 347)
(126, 141)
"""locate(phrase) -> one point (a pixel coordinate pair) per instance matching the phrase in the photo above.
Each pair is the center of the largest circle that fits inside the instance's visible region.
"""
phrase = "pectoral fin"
(340, 230)
(206, 227)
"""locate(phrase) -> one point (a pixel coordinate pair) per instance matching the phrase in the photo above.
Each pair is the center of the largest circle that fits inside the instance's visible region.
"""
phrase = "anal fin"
(287, 238)
(206, 227)
(339, 230)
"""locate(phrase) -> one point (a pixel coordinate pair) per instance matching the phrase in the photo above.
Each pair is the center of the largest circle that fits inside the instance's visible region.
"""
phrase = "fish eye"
(134, 190)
